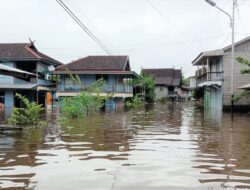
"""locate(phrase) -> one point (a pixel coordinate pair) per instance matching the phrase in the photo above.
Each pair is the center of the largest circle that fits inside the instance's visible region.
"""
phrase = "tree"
(185, 81)
(244, 62)
(148, 83)
(245, 93)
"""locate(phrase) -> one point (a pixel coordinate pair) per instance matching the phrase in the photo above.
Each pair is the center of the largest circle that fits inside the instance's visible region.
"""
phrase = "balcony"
(172, 94)
(209, 78)
(20, 81)
(74, 88)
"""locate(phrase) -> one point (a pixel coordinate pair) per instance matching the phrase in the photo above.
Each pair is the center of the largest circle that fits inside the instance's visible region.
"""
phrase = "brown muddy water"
(168, 146)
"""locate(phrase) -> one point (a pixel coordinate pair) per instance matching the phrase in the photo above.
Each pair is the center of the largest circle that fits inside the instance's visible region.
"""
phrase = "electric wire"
(84, 27)
(166, 18)
(88, 22)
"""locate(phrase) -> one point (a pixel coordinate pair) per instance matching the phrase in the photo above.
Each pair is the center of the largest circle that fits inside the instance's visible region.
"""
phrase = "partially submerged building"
(167, 82)
(24, 70)
(213, 74)
(114, 70)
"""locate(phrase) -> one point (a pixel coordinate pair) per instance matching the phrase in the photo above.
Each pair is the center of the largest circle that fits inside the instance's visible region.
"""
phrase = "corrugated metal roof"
(218, 52)
(245, 87)
(18, 86)
(213, 53)
(15, 70)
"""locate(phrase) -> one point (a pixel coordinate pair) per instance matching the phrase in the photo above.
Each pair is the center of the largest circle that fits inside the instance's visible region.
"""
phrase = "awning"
(245, 87)
(18, 86)
(26, 87)
(10, 71)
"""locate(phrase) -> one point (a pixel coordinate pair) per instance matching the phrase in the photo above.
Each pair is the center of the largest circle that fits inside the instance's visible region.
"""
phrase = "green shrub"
(80, 105)
(135, 102)
(147, 83)
(84, 102)
(28, 115)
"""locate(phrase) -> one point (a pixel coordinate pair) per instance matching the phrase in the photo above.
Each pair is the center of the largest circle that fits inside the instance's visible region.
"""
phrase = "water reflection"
(164, 146)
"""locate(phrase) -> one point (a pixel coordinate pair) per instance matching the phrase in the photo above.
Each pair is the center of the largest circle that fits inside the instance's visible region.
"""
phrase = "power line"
(90, 24)
(167, 19)
(84, 27)
(199, 34)
(144, 46)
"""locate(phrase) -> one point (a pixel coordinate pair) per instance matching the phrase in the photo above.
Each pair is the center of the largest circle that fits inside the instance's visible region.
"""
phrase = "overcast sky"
(155, 34)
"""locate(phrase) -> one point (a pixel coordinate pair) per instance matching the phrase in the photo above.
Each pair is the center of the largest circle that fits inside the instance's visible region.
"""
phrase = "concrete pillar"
(9, 99)
(208, 70)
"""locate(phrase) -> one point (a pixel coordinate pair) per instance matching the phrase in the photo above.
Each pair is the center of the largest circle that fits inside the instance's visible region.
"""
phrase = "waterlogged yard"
(168, 146)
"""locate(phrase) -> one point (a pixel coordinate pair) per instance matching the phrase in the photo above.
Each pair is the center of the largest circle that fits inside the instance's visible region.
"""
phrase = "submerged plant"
(146, 82)
(84, 102)
(28, 115)
(135, 102)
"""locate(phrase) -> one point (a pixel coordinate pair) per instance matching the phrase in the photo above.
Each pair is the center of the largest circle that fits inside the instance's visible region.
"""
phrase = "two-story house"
(167, 82)
(24, 70)
(213, 74)
(114, 70)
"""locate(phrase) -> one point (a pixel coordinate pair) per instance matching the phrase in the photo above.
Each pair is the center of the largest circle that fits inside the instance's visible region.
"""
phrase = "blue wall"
(114, 82)
(9, 98)
(7, 79)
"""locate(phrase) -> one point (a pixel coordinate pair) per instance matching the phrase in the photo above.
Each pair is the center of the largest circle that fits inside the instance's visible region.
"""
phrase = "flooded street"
(168, 146)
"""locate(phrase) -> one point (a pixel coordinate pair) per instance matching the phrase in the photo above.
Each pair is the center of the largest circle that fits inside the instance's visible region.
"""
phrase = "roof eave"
(30, 59)
(77, 72)
(206, 54)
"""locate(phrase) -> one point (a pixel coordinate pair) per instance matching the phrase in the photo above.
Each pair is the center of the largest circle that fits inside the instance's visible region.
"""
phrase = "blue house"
(24, 70)
(114, 70)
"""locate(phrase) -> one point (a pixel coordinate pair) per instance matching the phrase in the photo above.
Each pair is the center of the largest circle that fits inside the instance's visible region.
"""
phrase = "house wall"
(215, 64)
(9, 98)
(242, 50)
(161, 92)
(115, 83)
(9, 94)
(193, 82)
(213, 97)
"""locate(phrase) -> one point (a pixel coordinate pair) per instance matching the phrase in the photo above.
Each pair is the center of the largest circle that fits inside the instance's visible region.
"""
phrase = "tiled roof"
(23, 51)
(169, 77)
(98, 63)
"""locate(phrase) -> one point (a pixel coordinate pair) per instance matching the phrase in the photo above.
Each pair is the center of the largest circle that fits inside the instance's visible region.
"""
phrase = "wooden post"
(208, 69)
(37, 81)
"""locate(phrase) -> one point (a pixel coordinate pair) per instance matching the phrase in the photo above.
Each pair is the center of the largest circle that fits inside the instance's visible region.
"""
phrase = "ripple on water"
(165, 146)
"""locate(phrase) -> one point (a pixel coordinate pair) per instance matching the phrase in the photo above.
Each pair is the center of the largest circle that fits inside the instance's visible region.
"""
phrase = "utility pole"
(231, 17)
(233, 57)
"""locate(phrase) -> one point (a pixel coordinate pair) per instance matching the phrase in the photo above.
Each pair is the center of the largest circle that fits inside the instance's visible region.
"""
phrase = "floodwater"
(167, 146)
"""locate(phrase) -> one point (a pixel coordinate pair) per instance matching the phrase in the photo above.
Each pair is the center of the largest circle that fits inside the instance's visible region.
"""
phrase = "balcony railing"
(105, 89)
(172, 93)
(20, 81)
(210, 76)
(33, 81)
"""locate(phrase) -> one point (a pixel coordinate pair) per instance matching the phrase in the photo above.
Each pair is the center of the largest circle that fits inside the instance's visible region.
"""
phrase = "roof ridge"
(126, 63)
(31, 51)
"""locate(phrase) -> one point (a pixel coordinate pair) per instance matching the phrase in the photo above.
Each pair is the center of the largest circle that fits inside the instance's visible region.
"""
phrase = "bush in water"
(28, 115)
